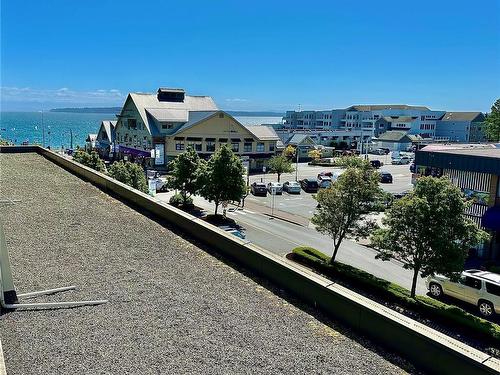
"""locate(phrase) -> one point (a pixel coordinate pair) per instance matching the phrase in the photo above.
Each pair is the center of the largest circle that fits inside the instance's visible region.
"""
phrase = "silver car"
(480, 288)
(292, 187)
(275, 188)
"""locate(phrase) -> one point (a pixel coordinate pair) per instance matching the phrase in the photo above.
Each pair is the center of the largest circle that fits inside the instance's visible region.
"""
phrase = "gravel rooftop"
(174, 308)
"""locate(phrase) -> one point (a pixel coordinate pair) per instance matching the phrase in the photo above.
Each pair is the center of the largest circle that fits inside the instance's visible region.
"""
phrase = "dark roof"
(463, 116)
(392, 135)
(375, 107)
(298, 139)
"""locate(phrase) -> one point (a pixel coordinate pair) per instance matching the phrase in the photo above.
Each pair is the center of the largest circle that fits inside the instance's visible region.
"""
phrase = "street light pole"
(297, 163)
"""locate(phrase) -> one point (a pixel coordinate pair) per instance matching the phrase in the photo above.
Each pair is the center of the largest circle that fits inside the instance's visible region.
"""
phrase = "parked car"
(386, 177)
(291, 187)
(275, 187)
(378, 151)
(479, 288)
(309, 185)
(376, 163)
(401, 160)
(386, 150)
(324, 182)
(258, 188)
(324, 173)
(400, 194)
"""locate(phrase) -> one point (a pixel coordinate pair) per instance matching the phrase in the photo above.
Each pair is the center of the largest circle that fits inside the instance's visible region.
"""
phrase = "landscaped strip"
(426, 306)
(429, 349)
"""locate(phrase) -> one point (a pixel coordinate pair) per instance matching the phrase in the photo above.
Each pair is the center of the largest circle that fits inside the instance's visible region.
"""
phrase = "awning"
(134, 151)
(491, 218)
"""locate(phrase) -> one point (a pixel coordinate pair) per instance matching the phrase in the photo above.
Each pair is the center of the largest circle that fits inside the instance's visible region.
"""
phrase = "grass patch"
(427, 307)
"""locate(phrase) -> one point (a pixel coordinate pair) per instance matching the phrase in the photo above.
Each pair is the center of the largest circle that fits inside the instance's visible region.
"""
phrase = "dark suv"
(309, 185)
(259, 188)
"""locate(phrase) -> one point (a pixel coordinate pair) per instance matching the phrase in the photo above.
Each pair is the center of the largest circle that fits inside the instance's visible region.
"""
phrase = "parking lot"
(303, 204)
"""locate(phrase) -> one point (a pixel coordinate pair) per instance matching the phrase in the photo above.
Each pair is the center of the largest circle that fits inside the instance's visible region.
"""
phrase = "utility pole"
(297, 163)
(71, 139)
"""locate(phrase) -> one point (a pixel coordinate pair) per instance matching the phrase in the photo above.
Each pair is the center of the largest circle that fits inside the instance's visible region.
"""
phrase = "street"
(280, 236)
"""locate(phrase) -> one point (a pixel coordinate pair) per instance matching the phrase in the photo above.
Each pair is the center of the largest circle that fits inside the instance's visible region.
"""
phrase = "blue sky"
(252, 55)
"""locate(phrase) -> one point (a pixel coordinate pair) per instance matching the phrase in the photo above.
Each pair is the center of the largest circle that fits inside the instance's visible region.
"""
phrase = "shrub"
(177, 200)
(129, 173)
(425, 306)
(91, 160)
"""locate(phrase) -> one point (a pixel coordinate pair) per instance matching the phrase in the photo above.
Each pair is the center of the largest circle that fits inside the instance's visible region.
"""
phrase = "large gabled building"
(105, 138)
(154, 129)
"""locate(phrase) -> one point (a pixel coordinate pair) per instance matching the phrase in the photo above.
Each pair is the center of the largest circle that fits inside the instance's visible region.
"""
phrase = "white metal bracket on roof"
(9, 297)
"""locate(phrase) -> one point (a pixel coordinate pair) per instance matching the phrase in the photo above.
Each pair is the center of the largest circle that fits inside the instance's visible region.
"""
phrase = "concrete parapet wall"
(425, 347)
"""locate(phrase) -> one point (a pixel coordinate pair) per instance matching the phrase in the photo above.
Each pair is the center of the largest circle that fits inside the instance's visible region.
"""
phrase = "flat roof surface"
(173, 308)
(483, 150)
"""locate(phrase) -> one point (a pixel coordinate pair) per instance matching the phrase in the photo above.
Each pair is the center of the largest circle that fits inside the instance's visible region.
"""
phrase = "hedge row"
(425, 306)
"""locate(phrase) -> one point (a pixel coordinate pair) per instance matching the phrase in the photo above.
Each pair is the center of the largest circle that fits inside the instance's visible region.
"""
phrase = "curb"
(282, 218)
(3, 370)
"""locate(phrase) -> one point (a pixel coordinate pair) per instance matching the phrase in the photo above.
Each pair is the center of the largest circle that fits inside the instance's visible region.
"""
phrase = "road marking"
(3, 370)
(272, 233)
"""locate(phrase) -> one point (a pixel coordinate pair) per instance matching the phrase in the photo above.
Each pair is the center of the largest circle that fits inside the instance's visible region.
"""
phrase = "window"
(179, 145)
(472, 282)
(235, 146)
(132, 123)
(271, 147)
(247, 147)
(210, 145)
(197, 146)
(260, 147)
(493, 289)
(167, 125)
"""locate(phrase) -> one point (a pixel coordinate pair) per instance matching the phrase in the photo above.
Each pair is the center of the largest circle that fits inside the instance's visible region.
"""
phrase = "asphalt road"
(281, 237)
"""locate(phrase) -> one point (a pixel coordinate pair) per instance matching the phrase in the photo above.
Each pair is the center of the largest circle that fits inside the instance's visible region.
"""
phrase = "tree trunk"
(279, 174)
(336, 247)
(216, 207)
(416, 270)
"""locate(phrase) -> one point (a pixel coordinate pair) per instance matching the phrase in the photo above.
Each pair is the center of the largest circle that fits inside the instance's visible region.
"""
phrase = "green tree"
(91, 160)
(280, 164)
(129, 173)
(223, 178)
(493, 123)
(342, 207)
(428, 230)
(187, 169)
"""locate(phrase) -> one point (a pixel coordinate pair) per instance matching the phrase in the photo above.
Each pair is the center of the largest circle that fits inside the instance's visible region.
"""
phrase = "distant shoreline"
(118, 109)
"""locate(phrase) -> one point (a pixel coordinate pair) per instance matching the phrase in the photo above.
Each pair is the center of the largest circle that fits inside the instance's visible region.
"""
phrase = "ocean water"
(19, 127)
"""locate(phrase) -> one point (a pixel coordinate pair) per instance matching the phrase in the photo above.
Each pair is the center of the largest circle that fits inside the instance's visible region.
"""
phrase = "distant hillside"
(118, 110)
(89, 110)
(256, 113)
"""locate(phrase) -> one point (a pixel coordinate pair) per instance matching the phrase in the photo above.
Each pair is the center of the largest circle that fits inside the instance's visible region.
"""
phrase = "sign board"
(159, 154)
(152, 187)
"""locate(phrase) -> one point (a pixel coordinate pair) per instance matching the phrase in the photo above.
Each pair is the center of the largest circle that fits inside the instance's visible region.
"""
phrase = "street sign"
(264, 169)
